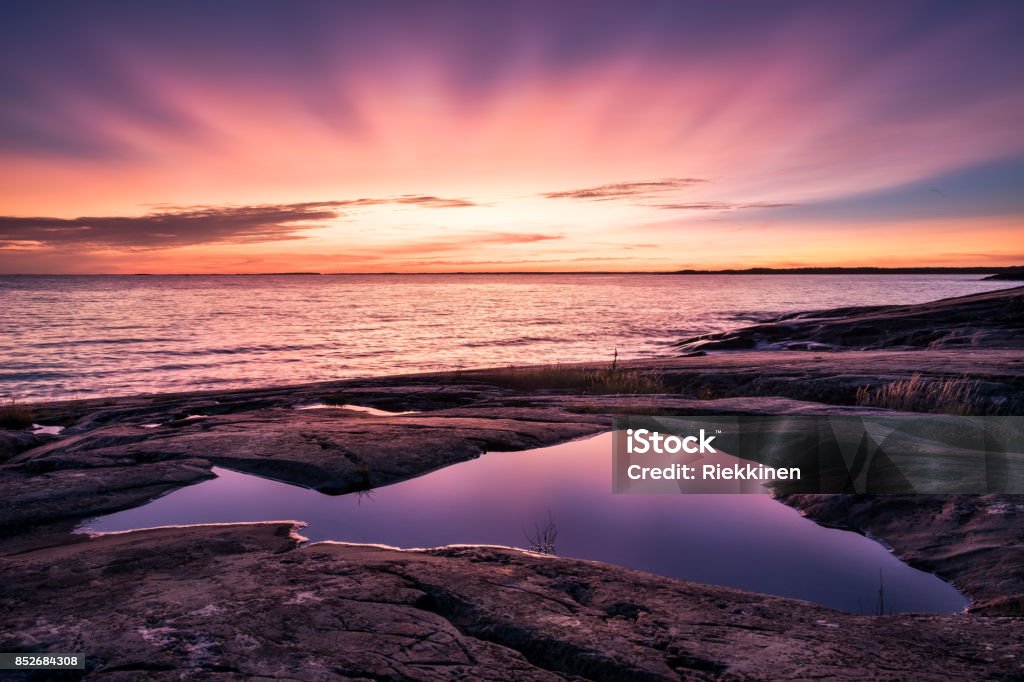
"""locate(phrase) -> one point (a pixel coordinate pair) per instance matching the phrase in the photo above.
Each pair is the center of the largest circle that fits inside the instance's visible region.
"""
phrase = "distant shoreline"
(726, 271)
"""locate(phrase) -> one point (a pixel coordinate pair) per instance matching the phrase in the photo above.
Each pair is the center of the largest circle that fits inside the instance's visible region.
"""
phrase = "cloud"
(460, 242)
(1003, 258)
(176, 226)
(171, 228)
(621, 190)
(419, 262)
(434, 202)
(425, 200)
(717, 206)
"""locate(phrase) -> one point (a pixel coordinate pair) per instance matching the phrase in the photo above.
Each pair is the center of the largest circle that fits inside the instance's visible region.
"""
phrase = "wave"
(99, 342)
(520, 341)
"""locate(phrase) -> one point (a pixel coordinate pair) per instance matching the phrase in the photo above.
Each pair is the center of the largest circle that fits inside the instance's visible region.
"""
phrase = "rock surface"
(243, 602)
(13, 442)
(977, 541)
(993, 319)
(1009, 275)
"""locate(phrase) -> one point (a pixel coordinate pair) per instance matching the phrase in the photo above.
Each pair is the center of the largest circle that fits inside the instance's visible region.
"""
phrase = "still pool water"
(747, 541)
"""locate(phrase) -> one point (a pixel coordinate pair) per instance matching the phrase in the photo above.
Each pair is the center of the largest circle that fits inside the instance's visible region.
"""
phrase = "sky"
(202, 137)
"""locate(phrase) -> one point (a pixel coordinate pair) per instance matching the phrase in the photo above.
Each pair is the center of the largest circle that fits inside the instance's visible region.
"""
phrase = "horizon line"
(806, 270)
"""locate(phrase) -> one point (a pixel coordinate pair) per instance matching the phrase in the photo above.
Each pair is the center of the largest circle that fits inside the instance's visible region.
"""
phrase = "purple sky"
(355, 136)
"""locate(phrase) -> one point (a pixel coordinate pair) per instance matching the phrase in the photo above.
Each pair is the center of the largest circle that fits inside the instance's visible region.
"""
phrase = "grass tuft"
(919, 394)
(597, 380)
(15, 415)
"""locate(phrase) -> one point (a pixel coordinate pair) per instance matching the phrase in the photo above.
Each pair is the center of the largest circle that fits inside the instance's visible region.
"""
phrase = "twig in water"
(543, 538)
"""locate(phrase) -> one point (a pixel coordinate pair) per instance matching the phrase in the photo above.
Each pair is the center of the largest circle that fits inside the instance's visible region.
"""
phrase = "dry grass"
(15, 415)
(596, 380)
(919, 394)
(543, 538)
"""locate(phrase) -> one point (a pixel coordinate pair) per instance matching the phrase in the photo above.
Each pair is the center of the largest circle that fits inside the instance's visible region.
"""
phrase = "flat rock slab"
(30, 500)
(993, 319)
(244, 602)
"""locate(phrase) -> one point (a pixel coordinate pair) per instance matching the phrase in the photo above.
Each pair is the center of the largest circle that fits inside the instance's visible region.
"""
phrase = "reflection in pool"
(746, 541)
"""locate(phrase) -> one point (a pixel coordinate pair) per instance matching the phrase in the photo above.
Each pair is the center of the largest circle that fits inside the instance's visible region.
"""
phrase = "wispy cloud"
(518, 262)
(456, 242)
(424, 200)
(1001, 258)
(175, 226)
(717, 206)
(622, 190)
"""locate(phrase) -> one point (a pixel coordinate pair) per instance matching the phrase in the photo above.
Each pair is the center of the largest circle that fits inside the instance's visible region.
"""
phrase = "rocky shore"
(989, 320)
(245, 601)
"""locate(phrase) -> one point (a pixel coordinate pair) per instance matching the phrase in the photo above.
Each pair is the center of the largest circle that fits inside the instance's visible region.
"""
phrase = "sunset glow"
(427, 137)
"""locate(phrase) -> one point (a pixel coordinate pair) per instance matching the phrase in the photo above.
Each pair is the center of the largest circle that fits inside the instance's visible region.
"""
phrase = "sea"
(64, 337)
